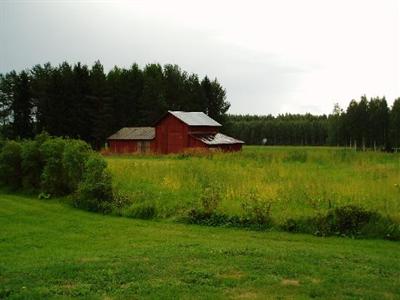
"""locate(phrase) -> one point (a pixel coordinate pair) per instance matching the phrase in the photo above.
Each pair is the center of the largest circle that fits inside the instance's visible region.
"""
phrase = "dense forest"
(367, 123)
(80, 102)
(84, 102)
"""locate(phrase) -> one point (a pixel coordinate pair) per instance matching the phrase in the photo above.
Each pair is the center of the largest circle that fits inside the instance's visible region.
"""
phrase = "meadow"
(49, 250)
(293, 181)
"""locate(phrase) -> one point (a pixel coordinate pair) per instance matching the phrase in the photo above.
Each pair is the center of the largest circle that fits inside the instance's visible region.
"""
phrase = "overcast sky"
(272, 56)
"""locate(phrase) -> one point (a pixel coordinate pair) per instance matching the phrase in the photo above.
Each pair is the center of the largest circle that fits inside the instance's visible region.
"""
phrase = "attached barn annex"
(173, 133)
(132, 139)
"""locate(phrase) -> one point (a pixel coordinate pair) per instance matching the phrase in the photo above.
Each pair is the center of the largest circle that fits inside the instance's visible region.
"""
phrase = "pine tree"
(6, 99)
(21, 106)
(378, 122)
(216, 104)
(395, 124)
(153, 101)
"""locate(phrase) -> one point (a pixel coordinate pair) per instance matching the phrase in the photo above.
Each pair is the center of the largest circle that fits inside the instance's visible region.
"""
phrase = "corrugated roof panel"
(194, 118)
(217, 139)
(134, 133)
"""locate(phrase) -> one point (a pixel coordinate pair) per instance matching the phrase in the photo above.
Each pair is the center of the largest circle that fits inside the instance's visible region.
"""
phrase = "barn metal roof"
(194, 118)
(216, 139)
(134, 133)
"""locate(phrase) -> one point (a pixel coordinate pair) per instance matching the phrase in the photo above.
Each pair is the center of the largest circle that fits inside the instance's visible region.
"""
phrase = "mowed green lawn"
(49, 249)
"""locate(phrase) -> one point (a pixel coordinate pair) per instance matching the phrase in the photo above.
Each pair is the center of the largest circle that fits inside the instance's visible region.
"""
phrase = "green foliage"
(198, 216)
(57, 166)
(32, 165)
(350, 221)
(143, 210)
(10, 165)
(2, 142)
(121, 200)
(364, 124)
(54, 178)
(89, 104)
(254, 186)
(210, 199)
(395, 124)
(75, 155)
(95, 190)
(257, 210)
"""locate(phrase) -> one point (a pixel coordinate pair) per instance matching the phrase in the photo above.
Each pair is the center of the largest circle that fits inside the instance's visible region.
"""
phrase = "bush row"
(256, 212)
(54, 166)
(350, 221)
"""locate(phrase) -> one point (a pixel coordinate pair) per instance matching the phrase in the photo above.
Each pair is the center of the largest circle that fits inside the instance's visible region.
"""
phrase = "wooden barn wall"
(171, 135)
(122, 146)
(195, 143)
(129, 146)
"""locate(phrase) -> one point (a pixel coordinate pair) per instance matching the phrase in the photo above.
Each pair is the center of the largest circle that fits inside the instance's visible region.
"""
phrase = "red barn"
(173, 133)
(132, 139)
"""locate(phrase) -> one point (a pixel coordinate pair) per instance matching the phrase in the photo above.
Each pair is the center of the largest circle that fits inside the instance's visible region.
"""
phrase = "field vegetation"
(322, 191)
(50, 249)
(280, 184)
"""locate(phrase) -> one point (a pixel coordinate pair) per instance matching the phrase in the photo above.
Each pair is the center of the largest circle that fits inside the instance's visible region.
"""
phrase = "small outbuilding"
(175, 132)
(132, 139)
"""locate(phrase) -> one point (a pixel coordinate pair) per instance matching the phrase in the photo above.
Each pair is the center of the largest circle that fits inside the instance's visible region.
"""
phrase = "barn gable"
(193, 118)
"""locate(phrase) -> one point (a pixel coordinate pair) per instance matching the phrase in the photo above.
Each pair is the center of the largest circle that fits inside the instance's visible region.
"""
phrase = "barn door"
(143, 147)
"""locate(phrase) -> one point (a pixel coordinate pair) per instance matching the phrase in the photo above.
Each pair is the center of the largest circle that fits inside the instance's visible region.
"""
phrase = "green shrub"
(53, 178)
(257, 210)
(200, 217)
(32, 165)
(381, 227)
(196, 216)
(10, 165)
(121, 201)
(298, 225)
(351, 221)
(42, 137)
(210, 199)
(75, 155)
(144, 210)
(95, 190)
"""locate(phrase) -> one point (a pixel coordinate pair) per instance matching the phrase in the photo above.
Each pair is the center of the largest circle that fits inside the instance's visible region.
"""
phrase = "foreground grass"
(48, 249)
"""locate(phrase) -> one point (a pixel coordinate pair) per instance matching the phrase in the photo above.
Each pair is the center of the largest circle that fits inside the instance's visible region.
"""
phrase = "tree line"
(78, 101)
(366, 123)
(84, 102)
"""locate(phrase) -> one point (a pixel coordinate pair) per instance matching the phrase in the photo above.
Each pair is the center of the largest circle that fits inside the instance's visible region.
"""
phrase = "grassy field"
(295, 181)
(50, 250)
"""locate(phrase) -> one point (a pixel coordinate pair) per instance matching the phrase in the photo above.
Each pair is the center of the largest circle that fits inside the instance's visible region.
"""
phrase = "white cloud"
(272, 56)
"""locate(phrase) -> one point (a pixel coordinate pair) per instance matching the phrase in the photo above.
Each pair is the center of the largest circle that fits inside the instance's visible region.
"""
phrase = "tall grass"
(294, 181)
